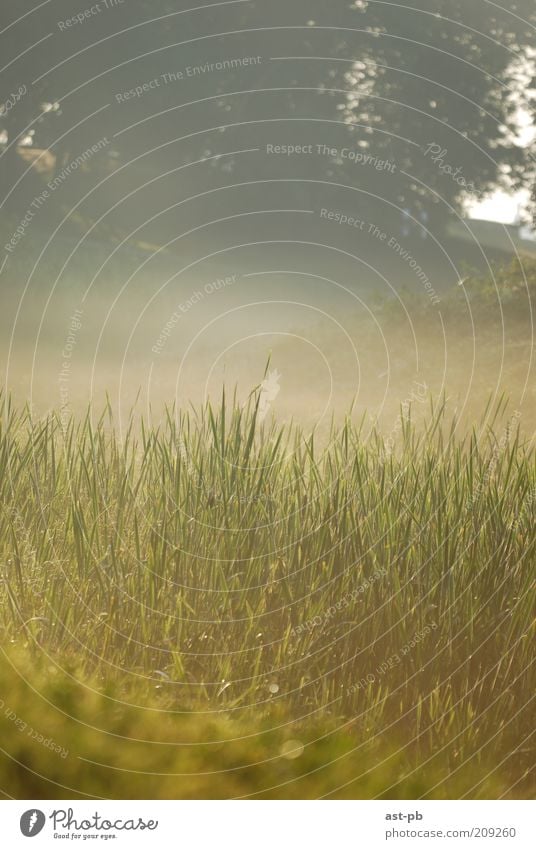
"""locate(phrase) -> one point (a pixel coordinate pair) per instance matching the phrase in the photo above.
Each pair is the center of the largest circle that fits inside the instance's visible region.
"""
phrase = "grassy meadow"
(222, 606)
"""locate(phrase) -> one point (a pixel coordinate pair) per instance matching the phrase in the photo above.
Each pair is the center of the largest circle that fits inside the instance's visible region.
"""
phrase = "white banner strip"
(269, 824)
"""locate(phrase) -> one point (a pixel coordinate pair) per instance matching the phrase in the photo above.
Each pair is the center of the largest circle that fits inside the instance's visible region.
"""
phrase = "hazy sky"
(501, 207)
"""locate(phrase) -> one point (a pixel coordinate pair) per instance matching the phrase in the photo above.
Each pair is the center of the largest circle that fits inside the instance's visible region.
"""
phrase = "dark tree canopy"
(435, 85)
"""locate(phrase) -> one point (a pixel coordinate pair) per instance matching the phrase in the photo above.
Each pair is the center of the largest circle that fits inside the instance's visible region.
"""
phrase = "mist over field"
(147, 334)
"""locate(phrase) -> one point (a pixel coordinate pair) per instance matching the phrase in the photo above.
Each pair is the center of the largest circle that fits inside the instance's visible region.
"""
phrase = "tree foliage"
(433, 85)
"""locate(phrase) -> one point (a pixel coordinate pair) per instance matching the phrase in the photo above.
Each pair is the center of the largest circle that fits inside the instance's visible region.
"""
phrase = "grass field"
(218, 606)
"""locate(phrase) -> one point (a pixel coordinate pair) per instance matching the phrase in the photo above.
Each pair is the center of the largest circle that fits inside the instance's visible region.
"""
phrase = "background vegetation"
(215, 574)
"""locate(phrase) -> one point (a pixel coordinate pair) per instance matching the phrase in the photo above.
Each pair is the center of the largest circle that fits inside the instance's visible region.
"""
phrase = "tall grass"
(234, 569)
